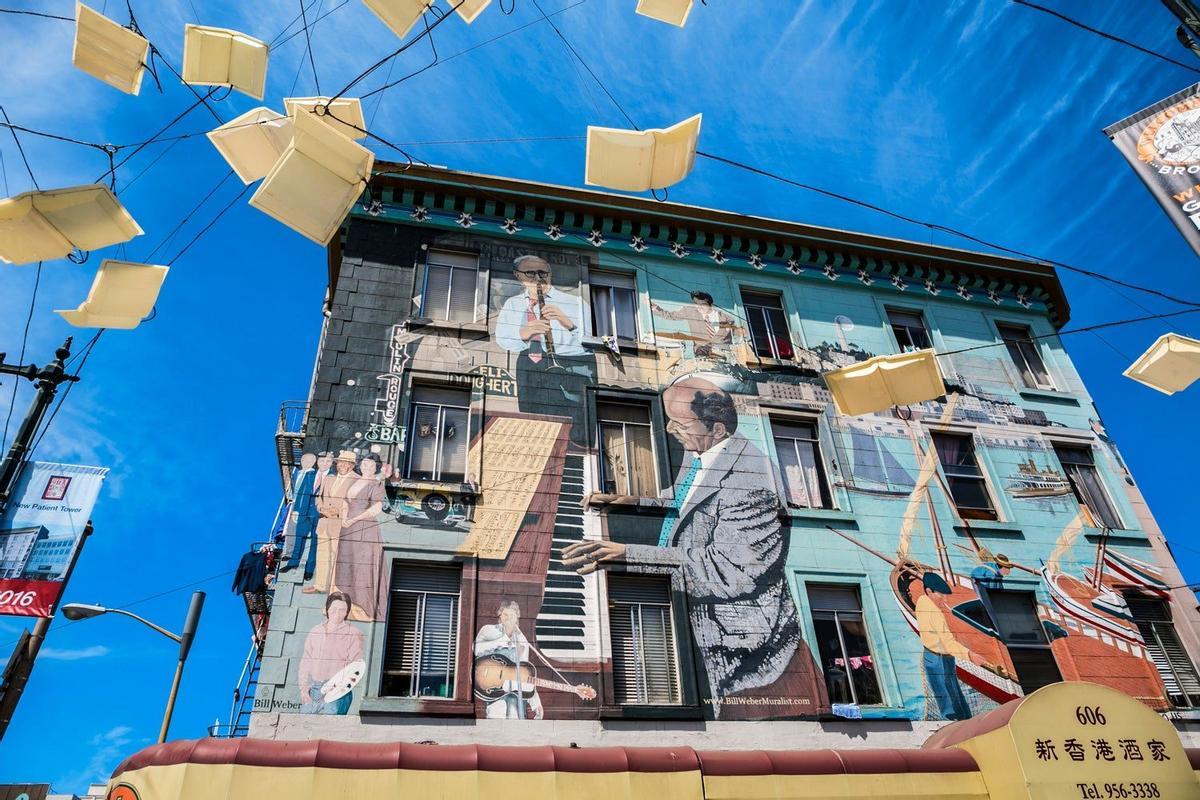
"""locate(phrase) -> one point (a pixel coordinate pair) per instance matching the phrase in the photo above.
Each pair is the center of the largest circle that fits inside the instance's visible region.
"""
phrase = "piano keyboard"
(568, 624)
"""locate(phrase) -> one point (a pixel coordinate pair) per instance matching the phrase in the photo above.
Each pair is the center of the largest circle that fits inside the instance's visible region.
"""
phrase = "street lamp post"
(77, 611)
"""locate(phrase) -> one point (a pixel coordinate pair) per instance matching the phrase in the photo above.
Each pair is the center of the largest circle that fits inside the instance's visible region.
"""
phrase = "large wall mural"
(511, 487)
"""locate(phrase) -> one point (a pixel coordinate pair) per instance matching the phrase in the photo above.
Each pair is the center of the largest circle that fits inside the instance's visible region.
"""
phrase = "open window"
(908, 326)
(964, 478)
(1024, 352)
(1089, 490)
(843, 645)
(614, 305)
(438, 433)
(769, 334)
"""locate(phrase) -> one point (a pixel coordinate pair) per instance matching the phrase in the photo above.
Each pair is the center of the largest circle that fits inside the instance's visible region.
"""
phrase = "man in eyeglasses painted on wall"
(543, 325)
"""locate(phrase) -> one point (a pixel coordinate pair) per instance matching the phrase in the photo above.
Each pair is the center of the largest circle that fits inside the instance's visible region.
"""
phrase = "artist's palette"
(344, 681)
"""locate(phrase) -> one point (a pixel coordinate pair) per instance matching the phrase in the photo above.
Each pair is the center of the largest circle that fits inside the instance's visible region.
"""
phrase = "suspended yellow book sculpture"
(317, 180)
(253, 142)
(399, 15)
(45, 225)
(673, 11)
(221, 57)
(635, 161)
(1170, 365)
(881, 382)
(122, 294)
(345, 115)
(469, 9)
(108, 51)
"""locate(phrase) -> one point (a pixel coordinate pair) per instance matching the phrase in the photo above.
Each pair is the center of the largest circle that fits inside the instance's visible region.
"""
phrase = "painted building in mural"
(569, 456)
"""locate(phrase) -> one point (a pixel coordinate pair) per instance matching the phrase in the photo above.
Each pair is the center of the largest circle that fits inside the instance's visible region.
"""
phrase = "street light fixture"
(78, 611)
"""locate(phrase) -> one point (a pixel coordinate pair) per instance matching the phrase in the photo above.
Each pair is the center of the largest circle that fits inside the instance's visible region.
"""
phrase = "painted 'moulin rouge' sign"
(40, 532)
(1162, 144)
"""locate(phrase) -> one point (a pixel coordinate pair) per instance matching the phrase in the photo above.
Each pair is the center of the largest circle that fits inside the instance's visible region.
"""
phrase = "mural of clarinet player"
(332, 663)
(724, 539)
(505, 679)
(543, 324)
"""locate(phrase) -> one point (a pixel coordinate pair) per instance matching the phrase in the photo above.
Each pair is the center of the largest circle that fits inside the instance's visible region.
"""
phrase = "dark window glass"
(1085, 482)
(1022, 632)
(438, 434)
(1179, 676)
(804, 480)
(1023, 350)
(842, 642)
(614, 305)
(450, 281)
(421, 638)
(644, 658)
(909, 327)
(963, 476)
(768, 325)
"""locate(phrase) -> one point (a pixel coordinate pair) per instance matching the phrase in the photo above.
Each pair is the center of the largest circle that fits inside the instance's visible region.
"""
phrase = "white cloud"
(110, 745)
(67, 654)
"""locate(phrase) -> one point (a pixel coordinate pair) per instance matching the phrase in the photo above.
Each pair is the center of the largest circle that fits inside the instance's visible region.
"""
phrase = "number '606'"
(1090, 715)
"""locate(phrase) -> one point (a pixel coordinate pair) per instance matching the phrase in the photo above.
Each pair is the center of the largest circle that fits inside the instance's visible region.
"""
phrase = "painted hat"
(1003, 562)
(347, 455)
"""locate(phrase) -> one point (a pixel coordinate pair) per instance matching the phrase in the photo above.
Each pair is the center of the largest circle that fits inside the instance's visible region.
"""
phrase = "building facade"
(569, 462)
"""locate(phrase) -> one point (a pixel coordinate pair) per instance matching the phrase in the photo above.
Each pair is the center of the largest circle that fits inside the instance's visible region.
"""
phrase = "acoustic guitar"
(493, 671)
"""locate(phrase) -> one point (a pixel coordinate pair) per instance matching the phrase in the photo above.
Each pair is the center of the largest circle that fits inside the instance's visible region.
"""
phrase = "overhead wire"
(24, 12)
(16, 379)
(308, 44)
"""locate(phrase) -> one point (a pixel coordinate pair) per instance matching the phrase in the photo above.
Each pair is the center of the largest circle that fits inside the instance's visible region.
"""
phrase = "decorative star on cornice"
(793, 266)
(596, 238)
(420, 213)
(718, 255)
(864, 277)
(994, 297)
(678, 250)
(638, 244)
(756, 261)
(932, 288)
(830, 272)
(1023, 301)
(510, 226)
(464, 220)
(899, 283)
(375, 208)
(554, 231)
(962, 292)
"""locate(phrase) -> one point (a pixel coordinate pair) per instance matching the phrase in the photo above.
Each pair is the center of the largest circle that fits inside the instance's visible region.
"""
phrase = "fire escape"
(289, 440)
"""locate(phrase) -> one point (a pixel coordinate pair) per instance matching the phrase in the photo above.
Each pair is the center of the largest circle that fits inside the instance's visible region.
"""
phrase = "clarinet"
(548, 337)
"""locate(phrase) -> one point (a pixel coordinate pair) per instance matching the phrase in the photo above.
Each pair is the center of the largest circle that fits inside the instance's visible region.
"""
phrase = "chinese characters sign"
(40, 532)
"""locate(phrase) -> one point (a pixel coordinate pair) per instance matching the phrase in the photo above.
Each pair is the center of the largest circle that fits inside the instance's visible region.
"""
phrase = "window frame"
(595, 286)
(454, 675)
(410, 419)
(1045, 646)
(655, 447)
(983, 476)
(1035, 344)
(783, 309)
(824, 472)
(813, 610)
(920, 315)
(1106, 496)
(676, 652)
(1171, 665)
(425, 309)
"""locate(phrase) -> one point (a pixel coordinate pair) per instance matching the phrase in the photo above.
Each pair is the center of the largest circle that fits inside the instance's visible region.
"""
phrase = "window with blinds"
(1153, 619)
(421, 645)
(644, 656)
(450, 283)
(438, 433)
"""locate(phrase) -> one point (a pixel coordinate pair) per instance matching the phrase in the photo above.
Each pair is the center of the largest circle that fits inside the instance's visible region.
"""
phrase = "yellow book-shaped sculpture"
(122, 294)
(469, 9)
(221, 57)
(317, 180)
(881, 382)
(672, 11)
(45, 225)
(1170, 365)
(105, 50)
(344, 115)
(635, 161)
(252, 143)
(399, 15)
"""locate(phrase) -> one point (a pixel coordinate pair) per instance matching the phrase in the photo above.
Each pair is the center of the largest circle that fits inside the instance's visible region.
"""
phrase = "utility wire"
(20, 149)
(209, 226)
(1085, 329)
(308, 44)
(171, 235)
(34, 14)
(1109, 36)
(16, 379)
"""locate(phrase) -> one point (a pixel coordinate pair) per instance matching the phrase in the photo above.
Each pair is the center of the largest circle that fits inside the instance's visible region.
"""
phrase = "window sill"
(646, 505)
(822, 515)
(1050, 396)
(1114, 536)
(417, 706)
(609, 713)
(445, 487)
(627, 346)
(991, 527)
(417, 323)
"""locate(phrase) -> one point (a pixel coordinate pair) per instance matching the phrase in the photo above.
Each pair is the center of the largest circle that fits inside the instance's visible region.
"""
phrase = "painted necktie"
(535, 342)
(681, 492)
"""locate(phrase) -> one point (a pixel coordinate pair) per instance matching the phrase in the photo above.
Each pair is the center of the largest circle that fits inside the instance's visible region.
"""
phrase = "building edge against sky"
(568, 459)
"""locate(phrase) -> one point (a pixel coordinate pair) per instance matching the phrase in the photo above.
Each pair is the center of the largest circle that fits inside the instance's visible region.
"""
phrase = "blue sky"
(977, 114)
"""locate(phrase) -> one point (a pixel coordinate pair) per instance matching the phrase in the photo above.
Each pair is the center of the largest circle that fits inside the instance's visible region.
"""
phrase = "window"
(627, 463)
(1153, 619)
(421, 646)
(1085, 481)
(644, 658)
(909, 328)
(1025, 355)
(614, 305)
(842, 642)
(1022, 632)
(437, 434)
(799, 452)
(450, 280)
(963, 476)
(768, 325)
